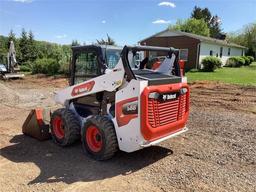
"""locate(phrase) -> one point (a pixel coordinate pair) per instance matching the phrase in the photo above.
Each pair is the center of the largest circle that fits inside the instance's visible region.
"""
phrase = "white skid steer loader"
(118, 99)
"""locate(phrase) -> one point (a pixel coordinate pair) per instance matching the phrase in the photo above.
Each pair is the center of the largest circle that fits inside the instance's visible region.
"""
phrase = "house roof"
(198, 37)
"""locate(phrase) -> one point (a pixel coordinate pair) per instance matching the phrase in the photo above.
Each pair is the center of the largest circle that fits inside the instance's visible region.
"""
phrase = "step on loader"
(119, 99)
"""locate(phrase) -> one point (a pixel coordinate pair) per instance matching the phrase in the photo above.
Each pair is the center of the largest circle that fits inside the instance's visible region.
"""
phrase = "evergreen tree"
(213, 22)
(199, 13)
(75, 43)
(24, 47)
(3, 49)
(32, 47)
(108, 41)
(215, 28)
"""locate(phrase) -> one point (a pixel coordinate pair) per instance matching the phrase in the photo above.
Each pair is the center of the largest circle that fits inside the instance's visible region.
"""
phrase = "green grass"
(245, 75)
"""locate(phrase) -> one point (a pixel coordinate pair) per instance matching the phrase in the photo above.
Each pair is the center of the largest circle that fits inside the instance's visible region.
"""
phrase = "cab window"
(112, 57)
(86, 67)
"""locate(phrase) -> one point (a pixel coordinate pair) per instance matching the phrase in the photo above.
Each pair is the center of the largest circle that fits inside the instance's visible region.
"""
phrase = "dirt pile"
(7, 95)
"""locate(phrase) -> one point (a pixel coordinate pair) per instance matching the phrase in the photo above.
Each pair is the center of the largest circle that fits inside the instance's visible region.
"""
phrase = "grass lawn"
(242, 76)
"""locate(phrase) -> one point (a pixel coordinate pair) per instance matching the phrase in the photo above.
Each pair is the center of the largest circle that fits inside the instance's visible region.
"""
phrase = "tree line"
(245, 37)
(31, 54)
(40, 56)
(203, 22)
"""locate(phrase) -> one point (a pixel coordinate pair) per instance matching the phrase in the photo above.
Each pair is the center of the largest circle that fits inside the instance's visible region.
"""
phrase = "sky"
(126, 21)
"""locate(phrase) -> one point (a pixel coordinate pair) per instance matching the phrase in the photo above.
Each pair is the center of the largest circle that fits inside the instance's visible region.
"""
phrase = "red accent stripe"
(121, 118)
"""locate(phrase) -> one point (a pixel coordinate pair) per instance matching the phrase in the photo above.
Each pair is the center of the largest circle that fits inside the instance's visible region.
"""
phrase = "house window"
(221, 51)
(229, 50)
(183, 54)
(242, 53)
(211, 53)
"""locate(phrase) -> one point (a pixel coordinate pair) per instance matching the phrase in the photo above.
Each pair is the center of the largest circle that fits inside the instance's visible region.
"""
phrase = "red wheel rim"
(93, 138)
(58, 127)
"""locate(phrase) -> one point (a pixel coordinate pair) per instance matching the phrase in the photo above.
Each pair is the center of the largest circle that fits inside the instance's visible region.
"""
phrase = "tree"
(3, 49)
(75, 43)
(213, 22)
(32, 51)
(245, 37)
(215, 28)
(195, 26)
(24, 47)
(199, 13)
(108, 41)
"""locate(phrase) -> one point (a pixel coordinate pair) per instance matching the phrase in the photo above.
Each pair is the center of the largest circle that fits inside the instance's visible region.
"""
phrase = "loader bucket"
(36, 124)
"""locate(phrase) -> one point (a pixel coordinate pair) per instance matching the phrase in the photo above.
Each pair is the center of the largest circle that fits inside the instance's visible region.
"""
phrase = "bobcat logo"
(169, 96)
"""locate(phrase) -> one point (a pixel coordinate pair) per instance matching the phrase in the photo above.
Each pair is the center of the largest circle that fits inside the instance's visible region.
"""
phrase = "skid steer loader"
(120, 99)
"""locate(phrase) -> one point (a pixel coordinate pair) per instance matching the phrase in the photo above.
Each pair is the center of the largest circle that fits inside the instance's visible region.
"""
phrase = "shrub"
(236, 61)
(64, 67)
(25, 68)
(211, 63)
(251, 58)
(45, 66)
(53, 68)
(247, 60)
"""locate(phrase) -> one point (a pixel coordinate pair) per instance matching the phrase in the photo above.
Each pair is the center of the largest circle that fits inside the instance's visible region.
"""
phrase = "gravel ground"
(218, 153)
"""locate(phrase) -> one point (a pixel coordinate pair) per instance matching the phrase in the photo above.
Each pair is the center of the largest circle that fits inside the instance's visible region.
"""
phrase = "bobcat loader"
(118, 99)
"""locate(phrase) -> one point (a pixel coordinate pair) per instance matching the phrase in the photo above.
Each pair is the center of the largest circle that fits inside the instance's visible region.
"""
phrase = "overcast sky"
(127, 21)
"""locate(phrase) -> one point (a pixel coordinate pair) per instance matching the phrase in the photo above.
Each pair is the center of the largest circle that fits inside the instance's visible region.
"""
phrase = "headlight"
(183, 91)
(153, 95)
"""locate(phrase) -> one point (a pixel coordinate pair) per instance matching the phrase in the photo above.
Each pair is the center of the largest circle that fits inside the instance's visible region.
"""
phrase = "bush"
(251, 58)
(53, 68)
(45, 66)
(236, 61)
(247, 60)
(64, 67)
(25, 68)
(211, 63)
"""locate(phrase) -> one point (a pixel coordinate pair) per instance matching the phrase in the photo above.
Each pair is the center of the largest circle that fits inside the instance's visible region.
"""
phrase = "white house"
(220, 50)
(193, 48)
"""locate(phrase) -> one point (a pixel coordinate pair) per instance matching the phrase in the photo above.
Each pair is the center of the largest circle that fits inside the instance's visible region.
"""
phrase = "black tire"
(70, 126)
(107, 134)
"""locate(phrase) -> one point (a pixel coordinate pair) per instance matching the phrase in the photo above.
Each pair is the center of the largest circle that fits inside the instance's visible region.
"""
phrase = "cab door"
(86, 65)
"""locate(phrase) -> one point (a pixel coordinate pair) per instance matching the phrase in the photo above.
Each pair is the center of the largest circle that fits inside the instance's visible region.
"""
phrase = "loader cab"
(91, 61)
(88, 62)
